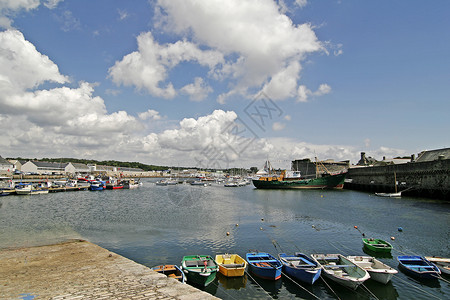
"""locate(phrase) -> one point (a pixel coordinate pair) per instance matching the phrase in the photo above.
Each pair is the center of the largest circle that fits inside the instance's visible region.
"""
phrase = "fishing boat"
(442, 263)
(294, 180)
(171, 271)
(377, 245)
(231, 265)
(378, 271)
(418, 266)
(31, 189)
(130, 184)
(300, 266)
(264, 265)
(199, 269)
(341, 270)
(97, 185)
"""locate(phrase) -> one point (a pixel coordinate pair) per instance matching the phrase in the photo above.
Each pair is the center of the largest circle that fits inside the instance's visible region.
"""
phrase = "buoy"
(313, 226)
(356, 227)
(260, 228)
(262, 219)
(400, 229)
(392, 238)
(228, 233)
(321, 196)
(237, 225)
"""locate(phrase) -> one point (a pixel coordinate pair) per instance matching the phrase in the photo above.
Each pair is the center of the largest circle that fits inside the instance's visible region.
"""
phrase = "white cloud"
(150, 114)
(301, 3)
(249, 43)
(277, 126)
(8, 8)
(198, 90)
(303, 93)
(123, 14)
(148, 67)
(23, 67)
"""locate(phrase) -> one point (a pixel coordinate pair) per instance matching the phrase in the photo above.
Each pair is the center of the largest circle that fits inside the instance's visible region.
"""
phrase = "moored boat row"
(348, 271)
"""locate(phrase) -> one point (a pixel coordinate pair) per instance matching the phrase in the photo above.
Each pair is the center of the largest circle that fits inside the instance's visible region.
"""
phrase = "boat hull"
(418, 267)
(231, 265)
(171, 271)
(197, 272)
(327, 182)
(341, 270)
(300, 267)
(377, 245)
(264, 265)
(378, 271)
(441, 262)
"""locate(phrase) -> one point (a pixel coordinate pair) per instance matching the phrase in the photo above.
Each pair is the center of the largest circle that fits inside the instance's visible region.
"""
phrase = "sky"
(219, 84)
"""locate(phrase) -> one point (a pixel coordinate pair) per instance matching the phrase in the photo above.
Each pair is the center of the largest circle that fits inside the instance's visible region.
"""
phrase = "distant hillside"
(114, 163)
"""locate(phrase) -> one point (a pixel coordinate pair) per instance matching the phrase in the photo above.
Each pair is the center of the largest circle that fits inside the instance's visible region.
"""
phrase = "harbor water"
(155, 225)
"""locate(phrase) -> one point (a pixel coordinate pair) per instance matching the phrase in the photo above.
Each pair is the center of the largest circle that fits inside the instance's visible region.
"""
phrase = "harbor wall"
(429, 179)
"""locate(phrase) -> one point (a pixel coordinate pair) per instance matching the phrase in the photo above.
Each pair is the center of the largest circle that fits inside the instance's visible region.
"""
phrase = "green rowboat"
(199, 269)
(377, 245)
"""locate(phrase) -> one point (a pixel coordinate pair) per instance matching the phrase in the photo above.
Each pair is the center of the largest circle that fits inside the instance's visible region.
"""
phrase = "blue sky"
(176, 82)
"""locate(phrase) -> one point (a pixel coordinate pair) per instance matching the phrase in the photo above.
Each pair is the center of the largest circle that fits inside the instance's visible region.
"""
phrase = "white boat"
(378, 271)
(31, 189)
(341, 270)
(392, 195)
(442, 263)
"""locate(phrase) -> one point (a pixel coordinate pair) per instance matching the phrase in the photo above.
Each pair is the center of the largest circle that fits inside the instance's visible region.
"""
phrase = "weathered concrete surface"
(82, 270)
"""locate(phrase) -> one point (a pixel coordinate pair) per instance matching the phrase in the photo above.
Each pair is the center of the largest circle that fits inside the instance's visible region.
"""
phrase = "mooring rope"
(299, 285)
(367, 289)
(248, 274)
(329, 287)
(416, 287)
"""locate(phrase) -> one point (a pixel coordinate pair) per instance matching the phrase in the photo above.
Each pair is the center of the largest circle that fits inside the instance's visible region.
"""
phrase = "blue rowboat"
(418, 266)
(264, 265)
(299, 266)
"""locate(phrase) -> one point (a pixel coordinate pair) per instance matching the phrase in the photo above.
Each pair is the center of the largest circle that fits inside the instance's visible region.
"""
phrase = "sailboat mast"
(395, 181)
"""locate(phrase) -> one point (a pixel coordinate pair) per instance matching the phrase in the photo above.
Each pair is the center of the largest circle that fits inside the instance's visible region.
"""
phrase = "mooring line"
(300, 285)
(414, 286)
(248, 274)
(323, 279)
(370, 292)
(217, 285)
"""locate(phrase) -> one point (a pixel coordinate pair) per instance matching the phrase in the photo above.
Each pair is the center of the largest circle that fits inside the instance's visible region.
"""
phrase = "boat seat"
(191, 263)
(419, 266)
(304, 265)
(339, 266)
(233, 265)
(264, 260)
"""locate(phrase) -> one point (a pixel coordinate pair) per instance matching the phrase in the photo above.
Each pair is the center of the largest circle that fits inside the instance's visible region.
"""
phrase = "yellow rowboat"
(231, 265)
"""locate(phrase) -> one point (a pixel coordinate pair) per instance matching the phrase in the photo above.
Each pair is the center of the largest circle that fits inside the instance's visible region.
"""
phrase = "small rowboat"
(377, 245)
(341, 270)
(301, 267)
(199, 269)
(418, 266)
(378, 271)
(264, 265)
(441, 262)
(231, 265)
(171, 271)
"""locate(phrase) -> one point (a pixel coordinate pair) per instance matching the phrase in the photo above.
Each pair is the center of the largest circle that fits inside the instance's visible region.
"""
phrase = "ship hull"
(327, 182)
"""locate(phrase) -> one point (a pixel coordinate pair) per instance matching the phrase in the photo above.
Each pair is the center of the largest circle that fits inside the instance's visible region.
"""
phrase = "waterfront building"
(6, 167)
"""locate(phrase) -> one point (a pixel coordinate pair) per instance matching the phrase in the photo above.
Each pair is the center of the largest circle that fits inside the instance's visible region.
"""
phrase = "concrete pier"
(81, 270)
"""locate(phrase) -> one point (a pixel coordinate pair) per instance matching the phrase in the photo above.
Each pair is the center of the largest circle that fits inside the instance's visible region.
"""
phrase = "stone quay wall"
(429, 179)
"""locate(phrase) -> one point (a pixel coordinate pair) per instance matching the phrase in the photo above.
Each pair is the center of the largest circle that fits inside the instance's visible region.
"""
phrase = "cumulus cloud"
(198, 90)
(251, 44)
(9, 7)
(150, 114)
(62, 116)
(303, 93)
(147, 68)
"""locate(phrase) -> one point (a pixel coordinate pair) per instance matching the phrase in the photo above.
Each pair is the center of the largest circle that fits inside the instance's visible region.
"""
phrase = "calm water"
(159, 224)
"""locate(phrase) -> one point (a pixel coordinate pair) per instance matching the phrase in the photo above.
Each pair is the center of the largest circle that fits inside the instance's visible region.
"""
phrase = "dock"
(79, 269)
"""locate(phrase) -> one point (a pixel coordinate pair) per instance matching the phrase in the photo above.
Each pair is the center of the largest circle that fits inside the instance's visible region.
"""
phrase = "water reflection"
(235, 283)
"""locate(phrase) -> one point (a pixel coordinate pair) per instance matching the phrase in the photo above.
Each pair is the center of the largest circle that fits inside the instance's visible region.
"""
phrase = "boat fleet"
(348, 271)
(9, 187)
